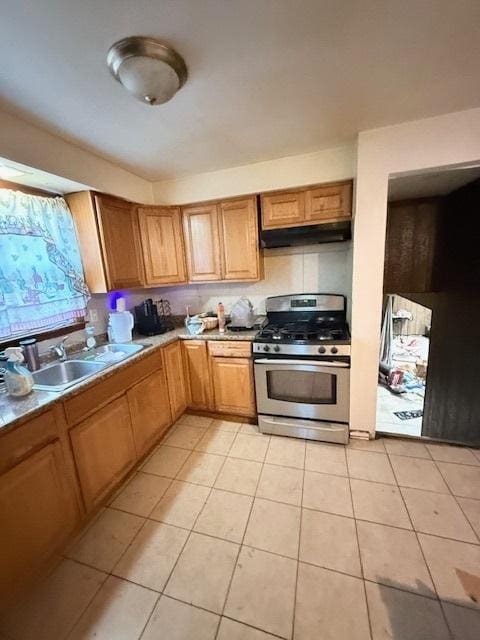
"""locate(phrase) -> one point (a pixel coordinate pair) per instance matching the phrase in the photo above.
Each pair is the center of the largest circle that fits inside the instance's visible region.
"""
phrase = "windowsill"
(43, 335)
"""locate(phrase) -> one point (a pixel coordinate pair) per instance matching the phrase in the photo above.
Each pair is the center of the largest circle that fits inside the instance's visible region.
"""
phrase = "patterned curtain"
(41, 276)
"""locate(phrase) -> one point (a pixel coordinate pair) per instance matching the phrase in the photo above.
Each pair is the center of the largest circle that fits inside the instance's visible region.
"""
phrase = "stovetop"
(304, 333)
(304, 325)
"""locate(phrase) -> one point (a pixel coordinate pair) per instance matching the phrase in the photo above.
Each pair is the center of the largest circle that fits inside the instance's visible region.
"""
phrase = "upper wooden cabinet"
(307, 205)
(239, 239)
(118, 226)
(109, 240)
(162, 244)
(221, 240)
(285, 209)
(202, 241)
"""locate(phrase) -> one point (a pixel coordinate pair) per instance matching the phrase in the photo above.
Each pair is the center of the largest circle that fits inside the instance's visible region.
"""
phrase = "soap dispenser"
(18, 379)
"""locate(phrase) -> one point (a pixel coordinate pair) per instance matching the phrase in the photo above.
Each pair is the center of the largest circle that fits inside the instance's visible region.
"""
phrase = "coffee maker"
(148, 322)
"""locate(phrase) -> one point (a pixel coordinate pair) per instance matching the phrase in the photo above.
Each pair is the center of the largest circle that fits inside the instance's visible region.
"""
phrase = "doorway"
(429, 385)
(401, 383)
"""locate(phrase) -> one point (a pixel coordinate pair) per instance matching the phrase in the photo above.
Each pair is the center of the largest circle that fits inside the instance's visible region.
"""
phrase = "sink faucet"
(60, 349)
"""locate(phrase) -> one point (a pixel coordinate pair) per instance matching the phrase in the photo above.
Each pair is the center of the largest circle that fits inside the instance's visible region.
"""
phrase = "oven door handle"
(315, 363)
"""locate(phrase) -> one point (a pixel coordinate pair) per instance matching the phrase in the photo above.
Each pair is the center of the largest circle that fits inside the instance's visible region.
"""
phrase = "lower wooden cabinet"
(233, 385)
(104, 450)
(198, 374)
(175, 372)
(37, 513)
(149, 410)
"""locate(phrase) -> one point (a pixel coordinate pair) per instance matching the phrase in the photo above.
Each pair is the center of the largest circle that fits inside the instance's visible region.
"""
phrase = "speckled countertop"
(14, 411)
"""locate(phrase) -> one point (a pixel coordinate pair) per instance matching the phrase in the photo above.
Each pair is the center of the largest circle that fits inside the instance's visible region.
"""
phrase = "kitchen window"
(42, 285)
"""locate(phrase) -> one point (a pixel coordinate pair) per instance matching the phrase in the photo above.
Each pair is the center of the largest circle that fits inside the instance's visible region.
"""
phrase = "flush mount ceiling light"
(149, 69)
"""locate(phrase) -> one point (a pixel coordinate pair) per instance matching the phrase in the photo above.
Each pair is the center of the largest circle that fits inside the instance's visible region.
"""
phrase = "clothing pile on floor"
(409, 365)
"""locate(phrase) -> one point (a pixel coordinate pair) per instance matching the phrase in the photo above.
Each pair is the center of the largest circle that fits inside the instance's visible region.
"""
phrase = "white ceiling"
(431, 183)
(267, 78)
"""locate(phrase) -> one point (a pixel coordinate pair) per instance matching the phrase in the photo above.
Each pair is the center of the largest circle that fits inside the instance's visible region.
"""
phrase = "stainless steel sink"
(127, 349)
(112, 353)
(59, 376)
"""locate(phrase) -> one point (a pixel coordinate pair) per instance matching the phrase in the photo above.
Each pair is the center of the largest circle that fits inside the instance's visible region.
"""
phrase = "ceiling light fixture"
(149, 69)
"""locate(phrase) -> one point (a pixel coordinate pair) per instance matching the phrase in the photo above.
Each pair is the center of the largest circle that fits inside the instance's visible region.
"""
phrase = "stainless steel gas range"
(302, 367)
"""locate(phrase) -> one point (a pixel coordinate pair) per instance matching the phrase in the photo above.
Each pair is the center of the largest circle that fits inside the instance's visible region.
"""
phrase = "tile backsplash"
(325, 268)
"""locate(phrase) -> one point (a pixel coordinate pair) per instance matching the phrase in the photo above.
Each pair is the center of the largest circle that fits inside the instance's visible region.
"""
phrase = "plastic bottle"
(120, 324)
(18, 379)
(221, 317)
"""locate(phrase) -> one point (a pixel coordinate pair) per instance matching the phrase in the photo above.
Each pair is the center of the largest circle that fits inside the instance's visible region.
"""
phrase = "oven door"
(318, 390)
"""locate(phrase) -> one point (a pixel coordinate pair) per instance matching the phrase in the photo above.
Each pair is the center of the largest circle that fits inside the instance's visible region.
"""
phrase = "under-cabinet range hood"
(310, 234)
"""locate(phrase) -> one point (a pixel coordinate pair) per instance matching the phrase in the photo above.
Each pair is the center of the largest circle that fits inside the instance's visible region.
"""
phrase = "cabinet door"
(233, 385)
(286, 209)
(175, 370)
(37, 514)
(202, 242)
(239, 234)
(329, 202)
(118, 226)
(162, 245)
(198, 375)
(149, 410)
(103, 449)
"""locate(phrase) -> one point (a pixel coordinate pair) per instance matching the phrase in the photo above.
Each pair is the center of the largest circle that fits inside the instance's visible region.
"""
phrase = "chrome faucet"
(60, 349)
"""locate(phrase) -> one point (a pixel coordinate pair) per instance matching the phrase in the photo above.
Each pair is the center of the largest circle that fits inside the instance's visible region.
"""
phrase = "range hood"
(311, 234)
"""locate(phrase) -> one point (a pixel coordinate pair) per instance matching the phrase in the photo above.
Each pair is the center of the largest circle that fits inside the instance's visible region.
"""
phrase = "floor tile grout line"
(85, 609)
(434, 598)
(299, 542)
(192, 531)
(146, 519)
(444, 537)
(359, 550)
(455, 497)
(289, 504)
(425, 561)
(241, 545)
(147, 621)
(116, 508)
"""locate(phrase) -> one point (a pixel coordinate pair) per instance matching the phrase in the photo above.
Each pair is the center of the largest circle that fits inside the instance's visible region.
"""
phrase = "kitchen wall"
(327, 165)
(27, 144)
(448, 140)
(319, 268)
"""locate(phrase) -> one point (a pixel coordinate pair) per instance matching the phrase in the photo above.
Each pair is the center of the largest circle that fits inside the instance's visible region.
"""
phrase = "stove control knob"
(334, 350)
(266, 348)
(321, 350)
(276, 348)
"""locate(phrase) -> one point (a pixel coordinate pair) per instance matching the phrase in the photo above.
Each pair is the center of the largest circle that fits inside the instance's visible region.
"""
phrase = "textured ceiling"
(267, 78)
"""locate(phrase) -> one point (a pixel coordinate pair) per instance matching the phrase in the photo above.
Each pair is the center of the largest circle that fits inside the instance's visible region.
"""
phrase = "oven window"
(308, 387)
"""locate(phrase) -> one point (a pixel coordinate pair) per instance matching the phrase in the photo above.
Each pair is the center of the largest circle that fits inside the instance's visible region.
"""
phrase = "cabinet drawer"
(80, 406)
(26, 438)
(229, 348)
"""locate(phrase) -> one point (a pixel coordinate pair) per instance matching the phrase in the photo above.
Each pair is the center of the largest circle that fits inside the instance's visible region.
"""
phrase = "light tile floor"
(227, 534)
(388, 403)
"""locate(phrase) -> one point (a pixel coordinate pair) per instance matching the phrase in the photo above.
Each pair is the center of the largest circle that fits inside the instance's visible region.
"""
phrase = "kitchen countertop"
(14, 411)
